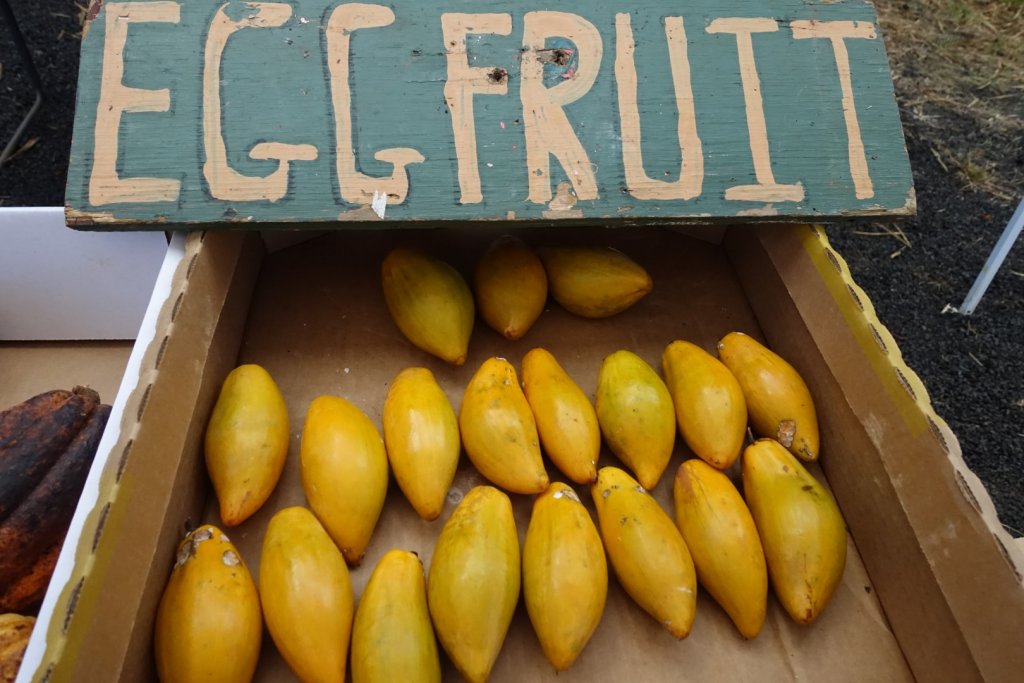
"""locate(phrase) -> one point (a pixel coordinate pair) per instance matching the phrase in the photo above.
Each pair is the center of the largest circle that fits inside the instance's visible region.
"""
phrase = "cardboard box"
(932, 590)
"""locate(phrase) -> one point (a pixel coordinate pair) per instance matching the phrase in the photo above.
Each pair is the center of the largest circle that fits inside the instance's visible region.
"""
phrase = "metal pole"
(995, 260)
(33, 76)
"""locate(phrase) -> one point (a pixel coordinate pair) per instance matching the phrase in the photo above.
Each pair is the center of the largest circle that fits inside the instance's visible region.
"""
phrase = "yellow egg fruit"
(208, 623)
(565, 417)
(647, 552)
(565, 575)
(723, 541)
(344, 471)
(474, 579)
(421, 434)
(778, 401)
(511, 287)
(638, 421)
(246, 442)
(710, 409)
(800, 526)
(306, 594)
(430, 303)
(498, 430)
(594, 281)
(392, 637)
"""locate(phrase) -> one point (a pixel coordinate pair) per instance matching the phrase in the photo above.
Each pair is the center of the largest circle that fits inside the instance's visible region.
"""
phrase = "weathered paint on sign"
(319, 110)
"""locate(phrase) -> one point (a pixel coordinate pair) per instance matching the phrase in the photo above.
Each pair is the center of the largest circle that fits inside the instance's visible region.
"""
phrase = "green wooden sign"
(462, 110)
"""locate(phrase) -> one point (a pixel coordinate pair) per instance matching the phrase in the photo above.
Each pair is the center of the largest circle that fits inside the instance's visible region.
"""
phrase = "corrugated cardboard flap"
(102, 549)
(947, 573)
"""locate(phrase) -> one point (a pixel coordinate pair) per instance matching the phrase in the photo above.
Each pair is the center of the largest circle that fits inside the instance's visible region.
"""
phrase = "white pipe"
(995, 260)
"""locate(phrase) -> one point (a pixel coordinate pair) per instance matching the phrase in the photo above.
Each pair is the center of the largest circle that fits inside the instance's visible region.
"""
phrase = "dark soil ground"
(958, 69)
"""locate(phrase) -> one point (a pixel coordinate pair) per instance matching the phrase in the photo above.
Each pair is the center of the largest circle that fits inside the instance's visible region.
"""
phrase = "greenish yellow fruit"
(430, 303)
(306, 594)
(511, 287)
(777, 398)
(710, 409)
(646, 550)
(208, 623)
(636, 415)
(722, 538)
(473, 586)
(421, 434)
(344, 472)
(566, 420)
(800, 526)
(246, 442)
(392, 638)
(594, 282)
(498, 429)
(565, 576)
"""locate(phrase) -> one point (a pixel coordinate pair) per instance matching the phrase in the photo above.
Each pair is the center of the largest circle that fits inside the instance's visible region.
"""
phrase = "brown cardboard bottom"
(313, 315)
(30, 368)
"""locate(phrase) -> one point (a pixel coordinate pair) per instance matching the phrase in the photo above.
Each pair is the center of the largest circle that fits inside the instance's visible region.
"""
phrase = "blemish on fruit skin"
(230, 558)
(568, 493)
(188, 549)
(786, 432)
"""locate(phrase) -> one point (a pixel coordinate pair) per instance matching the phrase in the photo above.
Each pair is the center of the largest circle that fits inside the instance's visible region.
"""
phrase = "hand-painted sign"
(320, 110)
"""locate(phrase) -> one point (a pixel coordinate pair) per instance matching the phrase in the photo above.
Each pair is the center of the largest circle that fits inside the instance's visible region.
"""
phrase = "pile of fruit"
(784, 527)
(47, 444)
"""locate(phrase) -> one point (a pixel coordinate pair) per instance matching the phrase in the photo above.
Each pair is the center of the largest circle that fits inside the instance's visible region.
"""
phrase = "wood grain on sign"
(465, 110)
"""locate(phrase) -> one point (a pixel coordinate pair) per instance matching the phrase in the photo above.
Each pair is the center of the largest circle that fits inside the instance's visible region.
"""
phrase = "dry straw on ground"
(958, 68)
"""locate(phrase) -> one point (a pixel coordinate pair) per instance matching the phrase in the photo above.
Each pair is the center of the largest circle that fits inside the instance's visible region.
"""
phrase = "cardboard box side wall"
(975, 562)
(58, 638)
(78, 554)
(214, 330)
(927, 537)
(123, 552)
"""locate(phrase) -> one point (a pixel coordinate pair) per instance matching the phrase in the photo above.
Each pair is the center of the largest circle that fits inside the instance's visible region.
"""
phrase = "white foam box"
(71, 303)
